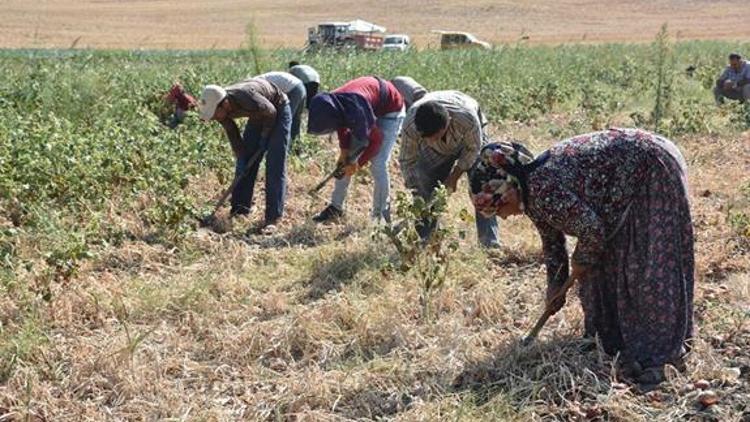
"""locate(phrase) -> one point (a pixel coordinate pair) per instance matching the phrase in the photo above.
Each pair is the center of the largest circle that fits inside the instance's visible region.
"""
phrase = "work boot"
(330, 213)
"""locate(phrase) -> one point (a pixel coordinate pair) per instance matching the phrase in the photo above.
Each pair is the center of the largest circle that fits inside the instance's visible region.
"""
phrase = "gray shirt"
(410, 89)
(285, 81)
(305, 73)
(732, 75)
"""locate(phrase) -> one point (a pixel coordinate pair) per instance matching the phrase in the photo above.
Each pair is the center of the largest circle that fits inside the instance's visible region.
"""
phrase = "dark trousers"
(434, 170)
(275, 149)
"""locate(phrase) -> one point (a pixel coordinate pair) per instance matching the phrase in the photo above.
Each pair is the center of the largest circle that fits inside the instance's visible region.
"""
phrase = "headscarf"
(332, 111)
(500, 166)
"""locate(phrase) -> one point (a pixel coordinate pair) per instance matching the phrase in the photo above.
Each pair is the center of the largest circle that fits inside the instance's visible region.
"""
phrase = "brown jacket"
(259, 101)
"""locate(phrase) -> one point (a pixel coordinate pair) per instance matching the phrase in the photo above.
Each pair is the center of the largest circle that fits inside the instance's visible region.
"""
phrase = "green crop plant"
(427, 259)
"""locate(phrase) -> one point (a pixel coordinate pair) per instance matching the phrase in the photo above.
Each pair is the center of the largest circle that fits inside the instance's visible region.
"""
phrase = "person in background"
(267, 130)
(308, 76)
(734, 82)
(295, 92)
(623, 194)
(367, 113)
(410, 89)
(182, 102)
(441, 138)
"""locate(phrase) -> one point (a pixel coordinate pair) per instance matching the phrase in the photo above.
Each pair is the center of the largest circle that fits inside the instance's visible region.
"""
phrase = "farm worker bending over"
(308, 76)
(734, 82)
(267, 129)
(182, 102)
(367, 113)
(294, 90)
(410, 89)
(442, 135)
(623, 193)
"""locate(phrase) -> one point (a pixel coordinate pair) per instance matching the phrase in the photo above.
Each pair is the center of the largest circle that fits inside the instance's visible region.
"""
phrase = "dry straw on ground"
(310, 324)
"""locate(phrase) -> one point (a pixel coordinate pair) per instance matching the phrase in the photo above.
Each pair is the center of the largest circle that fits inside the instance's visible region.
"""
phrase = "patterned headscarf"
(500, 166)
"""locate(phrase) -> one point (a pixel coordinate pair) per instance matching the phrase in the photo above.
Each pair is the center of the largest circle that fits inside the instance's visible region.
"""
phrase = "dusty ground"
(221, 23)
(310, 324)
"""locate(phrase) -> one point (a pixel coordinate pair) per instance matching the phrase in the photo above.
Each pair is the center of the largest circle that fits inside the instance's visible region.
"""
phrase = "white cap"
(210, 99)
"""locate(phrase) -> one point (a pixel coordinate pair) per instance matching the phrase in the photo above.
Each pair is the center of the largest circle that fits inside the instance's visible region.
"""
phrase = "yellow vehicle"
(455, 39)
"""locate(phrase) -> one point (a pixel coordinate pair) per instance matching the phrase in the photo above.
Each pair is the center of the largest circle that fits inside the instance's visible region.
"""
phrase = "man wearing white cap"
(269, 120)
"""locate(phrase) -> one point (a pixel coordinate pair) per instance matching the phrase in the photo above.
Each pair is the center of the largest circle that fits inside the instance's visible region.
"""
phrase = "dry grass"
(221, 24)
(309, 324)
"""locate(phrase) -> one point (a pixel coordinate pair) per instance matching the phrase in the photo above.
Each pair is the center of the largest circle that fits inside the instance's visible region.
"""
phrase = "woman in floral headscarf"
(623, 194)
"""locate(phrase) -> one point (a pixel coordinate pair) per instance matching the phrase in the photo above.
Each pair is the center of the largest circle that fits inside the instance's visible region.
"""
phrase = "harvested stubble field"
(114, 306)
(191, 24)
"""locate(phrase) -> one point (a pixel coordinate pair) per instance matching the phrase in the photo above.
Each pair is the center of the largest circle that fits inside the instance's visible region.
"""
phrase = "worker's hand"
(579, 272)
(555, 306)
(729, 85)
(343, 157)
(350, 169)
(451, 183)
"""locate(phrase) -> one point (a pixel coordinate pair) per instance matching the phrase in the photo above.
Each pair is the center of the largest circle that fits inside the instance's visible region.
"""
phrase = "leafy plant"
(427, 260)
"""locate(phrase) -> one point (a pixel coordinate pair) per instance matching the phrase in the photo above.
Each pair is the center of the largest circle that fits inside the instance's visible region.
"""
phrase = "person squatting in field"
(441, 138)
(623, 194)
(267, 131)
(295, 91)
(734, 82)
(367, 113)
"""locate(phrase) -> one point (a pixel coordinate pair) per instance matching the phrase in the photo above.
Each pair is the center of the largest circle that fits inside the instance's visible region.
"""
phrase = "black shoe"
(330, 213)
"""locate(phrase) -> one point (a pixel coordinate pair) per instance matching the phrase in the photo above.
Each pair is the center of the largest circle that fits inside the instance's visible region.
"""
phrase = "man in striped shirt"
(441, 138)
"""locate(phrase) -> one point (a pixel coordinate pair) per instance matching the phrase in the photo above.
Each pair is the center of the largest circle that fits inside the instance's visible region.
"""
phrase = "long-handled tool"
(209, 219)
(548, 311)
(338, 172)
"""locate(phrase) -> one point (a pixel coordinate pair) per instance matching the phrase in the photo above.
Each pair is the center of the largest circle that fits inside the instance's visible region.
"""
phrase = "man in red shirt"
(366, 113)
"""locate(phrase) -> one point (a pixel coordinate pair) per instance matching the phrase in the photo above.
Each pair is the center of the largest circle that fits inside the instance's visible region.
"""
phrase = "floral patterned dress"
(623, 194)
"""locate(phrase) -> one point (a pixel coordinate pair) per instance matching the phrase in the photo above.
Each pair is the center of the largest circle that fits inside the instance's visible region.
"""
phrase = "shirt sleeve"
(566, 212)
(555, 254)
(345, 137)
(724, 75)
(233, 134)
(259, 109)
(472, 138)
(375, 141)
(408, 157)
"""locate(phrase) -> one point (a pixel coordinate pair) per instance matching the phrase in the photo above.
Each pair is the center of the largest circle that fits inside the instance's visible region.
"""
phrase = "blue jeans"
(297, 105)
(275, 149)
(429, 176)
(390, 125)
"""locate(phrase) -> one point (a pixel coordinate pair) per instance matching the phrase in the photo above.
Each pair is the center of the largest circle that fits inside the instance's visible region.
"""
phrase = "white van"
(396, 42)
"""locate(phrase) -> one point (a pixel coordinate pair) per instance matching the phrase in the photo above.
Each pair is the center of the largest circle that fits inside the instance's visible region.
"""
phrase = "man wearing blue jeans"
(267, 131)
(441, 138)
(390, 125)
(366, 113)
